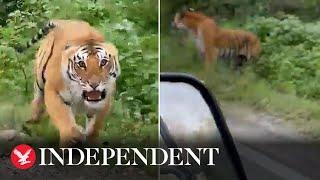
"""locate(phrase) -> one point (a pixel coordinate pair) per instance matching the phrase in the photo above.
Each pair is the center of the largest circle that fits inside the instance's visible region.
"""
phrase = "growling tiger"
(213, 41)
(75, 73)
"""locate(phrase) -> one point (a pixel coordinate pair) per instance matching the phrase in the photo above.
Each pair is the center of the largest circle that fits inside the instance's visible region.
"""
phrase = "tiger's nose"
(94, 85)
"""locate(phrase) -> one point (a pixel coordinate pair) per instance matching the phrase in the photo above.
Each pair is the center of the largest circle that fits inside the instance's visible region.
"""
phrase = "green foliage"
(130, 25)
(290, 60)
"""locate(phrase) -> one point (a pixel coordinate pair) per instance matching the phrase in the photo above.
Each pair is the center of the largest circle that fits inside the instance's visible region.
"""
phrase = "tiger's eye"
(82, 64)
(103, 62)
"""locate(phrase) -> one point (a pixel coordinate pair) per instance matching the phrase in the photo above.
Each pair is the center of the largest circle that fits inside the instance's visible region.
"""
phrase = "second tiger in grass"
(75, 73)
(213, 41)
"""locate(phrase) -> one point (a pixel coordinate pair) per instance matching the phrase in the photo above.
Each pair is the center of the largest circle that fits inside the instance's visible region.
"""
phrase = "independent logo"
(23, 156)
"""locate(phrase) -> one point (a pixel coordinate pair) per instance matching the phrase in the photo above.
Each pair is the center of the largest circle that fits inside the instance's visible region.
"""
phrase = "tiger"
(75, 73)
(213, 41)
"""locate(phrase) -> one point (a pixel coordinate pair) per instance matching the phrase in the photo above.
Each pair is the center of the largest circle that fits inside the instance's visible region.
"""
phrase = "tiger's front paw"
(73, 137)
(93, 140)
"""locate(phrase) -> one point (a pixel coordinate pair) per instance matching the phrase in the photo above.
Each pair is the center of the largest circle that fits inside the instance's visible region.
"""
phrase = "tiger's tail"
(41, 33)
(256, 49)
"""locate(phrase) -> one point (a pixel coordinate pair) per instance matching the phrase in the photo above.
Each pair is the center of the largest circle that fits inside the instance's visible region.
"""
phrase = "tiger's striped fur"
(75, 73)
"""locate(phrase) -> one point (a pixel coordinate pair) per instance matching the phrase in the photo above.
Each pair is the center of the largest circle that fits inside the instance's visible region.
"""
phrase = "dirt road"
(7, 171)
(270, 147)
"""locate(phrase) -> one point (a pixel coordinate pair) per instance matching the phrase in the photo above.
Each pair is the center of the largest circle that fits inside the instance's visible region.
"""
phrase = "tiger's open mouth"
(94, 96)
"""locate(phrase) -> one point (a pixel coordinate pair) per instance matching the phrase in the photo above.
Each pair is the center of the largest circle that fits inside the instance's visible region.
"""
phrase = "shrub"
(290, 56)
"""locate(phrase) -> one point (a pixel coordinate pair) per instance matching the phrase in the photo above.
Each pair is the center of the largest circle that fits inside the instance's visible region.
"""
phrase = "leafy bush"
(290, 59)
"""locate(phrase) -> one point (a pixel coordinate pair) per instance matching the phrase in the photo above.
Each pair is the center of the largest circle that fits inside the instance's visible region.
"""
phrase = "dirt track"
(270, 147)
(7, 171)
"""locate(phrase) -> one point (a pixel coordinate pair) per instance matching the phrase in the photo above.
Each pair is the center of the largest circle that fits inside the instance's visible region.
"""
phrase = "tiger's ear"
(113, 51)
(185, 10)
